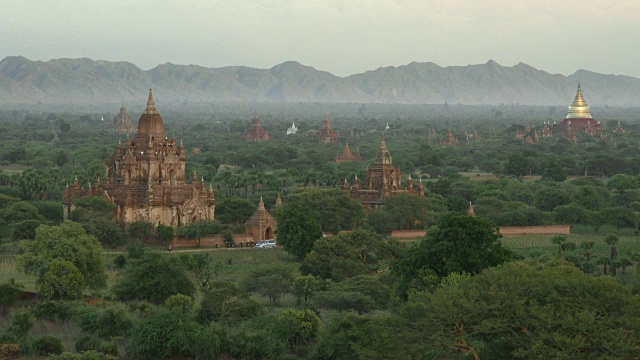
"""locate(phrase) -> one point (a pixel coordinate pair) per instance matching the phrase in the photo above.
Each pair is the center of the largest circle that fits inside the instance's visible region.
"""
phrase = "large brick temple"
(145, 178)
(383, 180)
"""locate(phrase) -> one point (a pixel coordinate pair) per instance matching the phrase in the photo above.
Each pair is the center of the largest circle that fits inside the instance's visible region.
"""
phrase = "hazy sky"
(340, 36)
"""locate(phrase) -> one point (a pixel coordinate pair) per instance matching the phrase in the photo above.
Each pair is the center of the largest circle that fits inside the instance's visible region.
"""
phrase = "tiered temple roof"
(326, 132)
(122, 122)
(382, 181)
(256, 132)
(347, 156)
(262, 225)
(145, 178)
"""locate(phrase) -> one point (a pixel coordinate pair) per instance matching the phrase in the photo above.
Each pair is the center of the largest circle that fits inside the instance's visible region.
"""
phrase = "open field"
(531, 244)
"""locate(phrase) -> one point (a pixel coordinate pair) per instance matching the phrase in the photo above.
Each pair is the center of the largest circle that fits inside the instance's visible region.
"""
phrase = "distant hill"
(86, 81)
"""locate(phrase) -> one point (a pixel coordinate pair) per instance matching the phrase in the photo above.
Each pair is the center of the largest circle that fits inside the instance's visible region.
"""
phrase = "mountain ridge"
(87, 81)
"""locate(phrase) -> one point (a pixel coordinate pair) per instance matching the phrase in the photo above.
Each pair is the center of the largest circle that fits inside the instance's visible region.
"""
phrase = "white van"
(266, 244)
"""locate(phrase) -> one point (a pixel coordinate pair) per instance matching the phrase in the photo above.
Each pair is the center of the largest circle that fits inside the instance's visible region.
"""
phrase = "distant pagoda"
(347, 155)
(578, 120)
(256, 132)
(122, 123)
(326, 132)
(383, 180)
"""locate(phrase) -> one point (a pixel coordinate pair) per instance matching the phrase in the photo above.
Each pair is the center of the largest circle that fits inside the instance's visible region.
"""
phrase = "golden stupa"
(579, 108)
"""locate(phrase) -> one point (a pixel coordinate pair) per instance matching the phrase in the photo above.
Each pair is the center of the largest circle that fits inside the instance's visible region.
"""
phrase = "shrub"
(114, 321)
(89, 355)
(94, 343)
(52, 310)
(63, 281)
(119, 261)
(153, 278)
(135, 250)
(8, 294)
(164, 334)
(179, 302)
(8, 351)
(20, 326)
(47, 345)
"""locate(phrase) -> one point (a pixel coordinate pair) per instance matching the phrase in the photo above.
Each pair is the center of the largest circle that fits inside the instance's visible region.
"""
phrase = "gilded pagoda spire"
(579, 108)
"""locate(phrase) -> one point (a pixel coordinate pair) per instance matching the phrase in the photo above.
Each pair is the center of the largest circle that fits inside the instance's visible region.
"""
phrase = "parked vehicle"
(266, 244)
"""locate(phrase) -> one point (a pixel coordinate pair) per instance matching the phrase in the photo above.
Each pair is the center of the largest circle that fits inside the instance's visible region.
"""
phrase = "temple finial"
(470, 211)
(151, 105)
(261, 204)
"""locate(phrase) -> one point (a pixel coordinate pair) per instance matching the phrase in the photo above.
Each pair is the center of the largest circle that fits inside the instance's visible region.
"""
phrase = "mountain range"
(86, 81)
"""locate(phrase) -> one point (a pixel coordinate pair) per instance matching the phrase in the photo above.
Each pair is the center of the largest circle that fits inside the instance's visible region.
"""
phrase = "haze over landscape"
(359, 42)
(86, 81)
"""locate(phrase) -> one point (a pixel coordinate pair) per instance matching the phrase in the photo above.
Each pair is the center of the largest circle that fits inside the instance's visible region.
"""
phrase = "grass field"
(531, 244)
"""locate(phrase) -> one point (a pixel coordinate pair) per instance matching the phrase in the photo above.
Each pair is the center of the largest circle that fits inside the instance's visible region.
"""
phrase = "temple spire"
(579, 108)
(278, 200)
(261, 204)
(151, 105)
(470, 212)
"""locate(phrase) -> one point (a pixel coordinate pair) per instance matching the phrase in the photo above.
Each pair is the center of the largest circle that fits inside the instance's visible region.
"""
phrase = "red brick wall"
(408, 234)
(211, 241)
(536, 230)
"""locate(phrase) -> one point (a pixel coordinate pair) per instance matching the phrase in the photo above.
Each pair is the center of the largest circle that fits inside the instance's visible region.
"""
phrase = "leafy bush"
(47, 345)
(89, 355)
(153, 278)
(8, 351)
(119, 261)
(114, 321)
(9, 294)
(52, 310)
(91, 342)
(179, 302)
(164, 334)
(21, 324)
(135, 250)
(63, 281)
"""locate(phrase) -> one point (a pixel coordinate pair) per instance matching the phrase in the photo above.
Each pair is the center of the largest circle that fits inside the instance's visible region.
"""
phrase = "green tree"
(164, 334)
(332, 208)
(622, 183)
(226, 302)
(305, 287)
(548, 198)
(271, 281)
(516, 165)
(63, 281)
(140, 231)
(234, 210)
(199, 229)
(529, 310)
(360, 293)
(164, 233)
(554, 172)
(298, 230)
(459, 243)
(65, 242)
(370, 336)
(408, 211)
(203, 266)
(169, 278)
(358, 252)
(298, 327)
